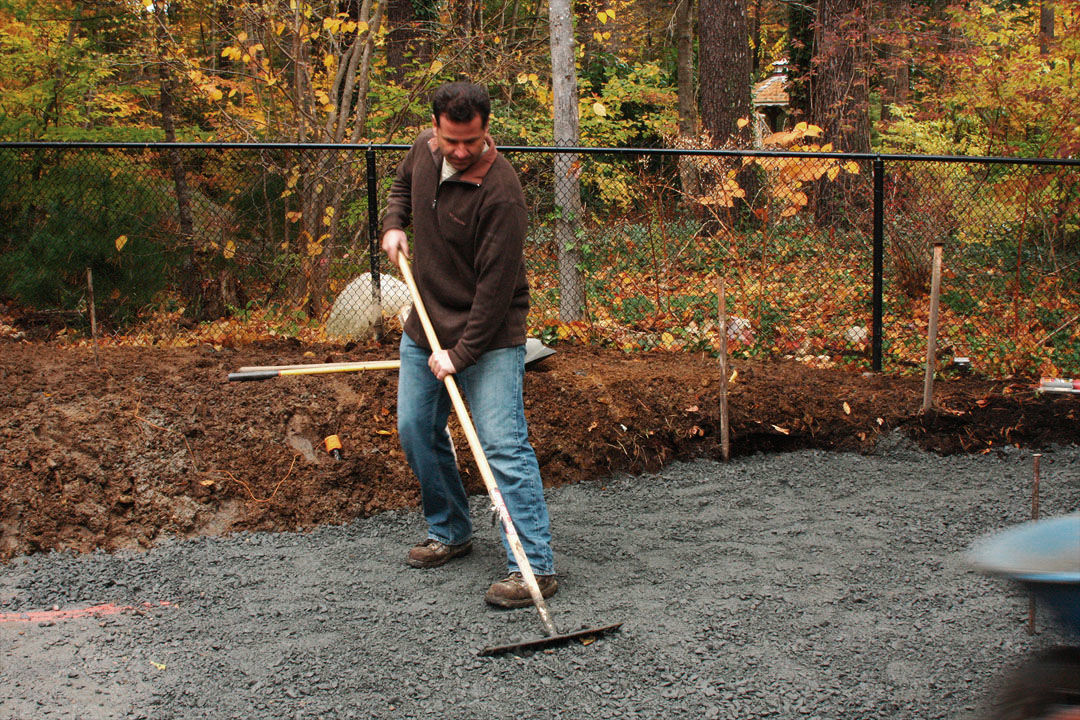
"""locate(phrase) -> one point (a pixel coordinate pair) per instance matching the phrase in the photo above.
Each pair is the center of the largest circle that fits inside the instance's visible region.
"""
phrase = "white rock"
(355, 311)
(856, 334)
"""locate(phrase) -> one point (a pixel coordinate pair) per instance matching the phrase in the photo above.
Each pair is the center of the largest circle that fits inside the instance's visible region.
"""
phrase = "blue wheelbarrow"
(1044, 557)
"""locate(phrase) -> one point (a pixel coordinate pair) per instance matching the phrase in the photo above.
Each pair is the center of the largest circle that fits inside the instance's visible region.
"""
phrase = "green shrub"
(79, 212)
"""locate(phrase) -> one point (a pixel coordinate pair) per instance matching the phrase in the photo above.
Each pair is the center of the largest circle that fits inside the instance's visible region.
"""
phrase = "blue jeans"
(492, 388)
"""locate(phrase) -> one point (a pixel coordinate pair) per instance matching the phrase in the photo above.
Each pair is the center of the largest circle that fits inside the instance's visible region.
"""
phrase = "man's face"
(461, 144)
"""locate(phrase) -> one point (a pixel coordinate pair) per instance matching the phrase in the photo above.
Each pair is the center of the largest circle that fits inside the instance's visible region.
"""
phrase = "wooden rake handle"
(478, 454)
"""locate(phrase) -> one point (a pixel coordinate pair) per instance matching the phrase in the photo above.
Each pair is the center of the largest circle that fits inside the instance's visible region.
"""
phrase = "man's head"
(459, 113)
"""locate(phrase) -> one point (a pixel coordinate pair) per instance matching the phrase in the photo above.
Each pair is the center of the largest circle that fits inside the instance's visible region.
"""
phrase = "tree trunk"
(688, 117)
(800, 55)
(896, 59)
(191, 272)
(567, 186)
(839, 87)
(755, 42)
(724, 79)
(1046, 25)
(399, 19)
(840, 97)
(684, 30)
(724, 69)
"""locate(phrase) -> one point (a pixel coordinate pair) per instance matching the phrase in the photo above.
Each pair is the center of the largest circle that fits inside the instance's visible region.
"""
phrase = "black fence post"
(879, 261)
(373, 233)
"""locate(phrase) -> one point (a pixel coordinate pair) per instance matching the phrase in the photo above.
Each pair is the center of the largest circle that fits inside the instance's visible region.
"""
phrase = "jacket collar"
(476, 172)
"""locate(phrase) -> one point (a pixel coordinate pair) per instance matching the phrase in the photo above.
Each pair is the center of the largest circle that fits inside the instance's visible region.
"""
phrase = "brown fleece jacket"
(468, 249)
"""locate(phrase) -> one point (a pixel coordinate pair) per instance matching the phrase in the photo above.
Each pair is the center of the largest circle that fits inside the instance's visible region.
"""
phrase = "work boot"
(432, 553)
(512, 592)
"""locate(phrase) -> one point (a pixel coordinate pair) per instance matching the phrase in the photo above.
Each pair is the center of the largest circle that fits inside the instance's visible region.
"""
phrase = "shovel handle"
(478, 454)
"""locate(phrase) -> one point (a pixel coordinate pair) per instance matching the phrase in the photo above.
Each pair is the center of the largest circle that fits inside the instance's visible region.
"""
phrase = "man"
(468, 217)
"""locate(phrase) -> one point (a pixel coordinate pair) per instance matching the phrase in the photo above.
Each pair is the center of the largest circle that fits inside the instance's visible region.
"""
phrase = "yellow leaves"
(599, 109)
(530, 78)
(742, 122)
(342, 24)
(852, 167)
(121, 242)
(605, 16)
(667, 340)
(293, 216)
(601, 36)
(230, 250)
(328, 216)
(847, 409)
(436, 67)
(329, 61)
(312, 247)
(232, 53)
(324, 99)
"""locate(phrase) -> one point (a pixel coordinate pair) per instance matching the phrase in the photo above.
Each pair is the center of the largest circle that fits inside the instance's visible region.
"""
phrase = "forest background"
(233, 245)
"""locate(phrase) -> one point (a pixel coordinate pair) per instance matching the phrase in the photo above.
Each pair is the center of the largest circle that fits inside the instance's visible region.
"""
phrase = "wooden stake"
(931, 339)
(1034, 516)
(725, 440)
(93, 315)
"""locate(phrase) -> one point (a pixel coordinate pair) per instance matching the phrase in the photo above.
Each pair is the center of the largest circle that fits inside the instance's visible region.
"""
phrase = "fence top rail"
(873, 157)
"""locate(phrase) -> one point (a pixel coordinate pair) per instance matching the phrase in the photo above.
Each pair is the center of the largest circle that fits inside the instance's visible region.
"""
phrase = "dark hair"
(461, 102)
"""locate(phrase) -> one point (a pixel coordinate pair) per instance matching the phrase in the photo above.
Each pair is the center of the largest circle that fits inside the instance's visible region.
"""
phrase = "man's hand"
(440, 364)
(395, 241)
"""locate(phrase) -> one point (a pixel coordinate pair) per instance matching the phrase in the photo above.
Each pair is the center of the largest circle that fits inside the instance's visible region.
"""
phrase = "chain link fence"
(822, 258)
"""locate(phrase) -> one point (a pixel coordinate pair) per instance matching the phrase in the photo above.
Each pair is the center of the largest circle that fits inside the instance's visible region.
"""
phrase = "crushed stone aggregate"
(809, 584)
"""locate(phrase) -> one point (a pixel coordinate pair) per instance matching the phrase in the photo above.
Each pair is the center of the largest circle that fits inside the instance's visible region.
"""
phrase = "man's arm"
(398, 212)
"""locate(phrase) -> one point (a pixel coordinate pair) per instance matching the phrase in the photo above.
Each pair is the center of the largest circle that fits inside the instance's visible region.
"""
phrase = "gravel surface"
(801, 585)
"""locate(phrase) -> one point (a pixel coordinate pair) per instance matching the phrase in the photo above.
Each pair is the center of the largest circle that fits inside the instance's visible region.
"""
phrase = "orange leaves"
(723, 193)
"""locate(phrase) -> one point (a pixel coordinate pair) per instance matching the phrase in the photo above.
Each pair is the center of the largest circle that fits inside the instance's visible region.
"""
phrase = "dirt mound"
(116, 451)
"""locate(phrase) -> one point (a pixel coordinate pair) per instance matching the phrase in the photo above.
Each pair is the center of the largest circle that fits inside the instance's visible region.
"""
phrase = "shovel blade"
(585, 635)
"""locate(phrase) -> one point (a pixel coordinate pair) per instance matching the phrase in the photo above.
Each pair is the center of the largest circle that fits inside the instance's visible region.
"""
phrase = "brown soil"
(149, 442)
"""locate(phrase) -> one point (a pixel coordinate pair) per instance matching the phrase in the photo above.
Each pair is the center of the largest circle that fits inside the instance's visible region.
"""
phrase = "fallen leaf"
(847, 409)
(384, 432)
(880, 421)
(591, 427)
(692, 408)
(159, 666)
(206, 483)
(783, 431)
